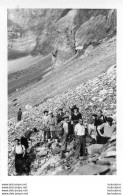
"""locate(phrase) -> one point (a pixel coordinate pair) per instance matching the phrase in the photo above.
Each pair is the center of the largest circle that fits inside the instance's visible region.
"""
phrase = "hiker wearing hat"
(80, 149)
(76, 115)
(108, 129)
(19, 115)
(65, 135)
(52, 125)
(101, 118)
(19, 151)
(60, 115)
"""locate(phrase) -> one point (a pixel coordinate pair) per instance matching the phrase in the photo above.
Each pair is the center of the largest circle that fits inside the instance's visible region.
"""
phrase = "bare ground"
(65, 77)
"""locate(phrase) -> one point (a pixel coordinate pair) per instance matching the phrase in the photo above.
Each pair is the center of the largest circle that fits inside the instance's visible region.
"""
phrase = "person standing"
(46, 129)
(52, 125)
(60, 115)
(65, 135)
(76, 115)
(19, 151)
(19, 115)
(101, 118)
(80, 139)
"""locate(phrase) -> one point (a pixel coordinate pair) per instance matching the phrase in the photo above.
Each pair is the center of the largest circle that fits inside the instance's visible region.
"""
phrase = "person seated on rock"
(60, 115)
(108, 129)
(65, 135)
(80, 149)
(75, 117)
(52, 125)
(26, 137)
(19, 115)
(46, 129)
(19, 152)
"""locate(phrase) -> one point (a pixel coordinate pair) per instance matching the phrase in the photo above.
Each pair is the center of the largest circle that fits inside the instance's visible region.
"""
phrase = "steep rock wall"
(57, 31)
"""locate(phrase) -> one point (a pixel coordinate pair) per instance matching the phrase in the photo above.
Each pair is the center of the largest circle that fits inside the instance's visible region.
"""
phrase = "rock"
(94, 98)
(90, 169)
(42, 153)
(113, 137)
(18, 124)
(103, 92)
(94, 148)
(110, 70)
(103, 162)
(110, 154)
(28, 107)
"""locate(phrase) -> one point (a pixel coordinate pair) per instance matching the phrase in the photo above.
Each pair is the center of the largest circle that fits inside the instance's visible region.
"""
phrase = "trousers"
(80, 149)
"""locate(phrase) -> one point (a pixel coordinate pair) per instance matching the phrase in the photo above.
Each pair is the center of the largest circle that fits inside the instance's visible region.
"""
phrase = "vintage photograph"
(62, 91)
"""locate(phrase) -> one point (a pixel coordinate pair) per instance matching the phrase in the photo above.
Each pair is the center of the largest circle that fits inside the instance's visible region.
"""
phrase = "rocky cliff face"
(57, 31)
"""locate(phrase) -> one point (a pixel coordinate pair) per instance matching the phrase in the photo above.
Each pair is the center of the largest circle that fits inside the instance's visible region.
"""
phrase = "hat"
(109, 119)
(65, 116)
(45, 111)
(17, 138)
(95, 115)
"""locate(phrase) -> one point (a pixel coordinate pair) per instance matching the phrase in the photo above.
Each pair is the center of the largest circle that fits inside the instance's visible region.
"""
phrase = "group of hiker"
(66, 126)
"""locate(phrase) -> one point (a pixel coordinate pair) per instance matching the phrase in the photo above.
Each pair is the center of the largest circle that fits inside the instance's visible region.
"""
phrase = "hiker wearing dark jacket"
(26, 137)
(101, 118)
(60, 115)
(19, 115)
(76, 115)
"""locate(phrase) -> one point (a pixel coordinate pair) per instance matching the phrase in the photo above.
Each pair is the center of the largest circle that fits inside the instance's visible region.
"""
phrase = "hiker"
(76, 115)
(46, 129)
(60, 115)
(68, 114)
(101, 118)
(26, 137)
(108, 129)
(52, 125)
(19, 151)
(65, 135)
(80, 149)
(19, 115)
(91, 129)
(70, 126)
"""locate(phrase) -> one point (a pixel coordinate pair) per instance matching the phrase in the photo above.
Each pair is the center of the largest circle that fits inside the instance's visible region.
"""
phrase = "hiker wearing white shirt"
(80, 138)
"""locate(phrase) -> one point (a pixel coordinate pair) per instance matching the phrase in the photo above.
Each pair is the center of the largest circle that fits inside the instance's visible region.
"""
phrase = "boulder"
(42, 153)
(103, 92)
(90, 169)
(94, 148)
